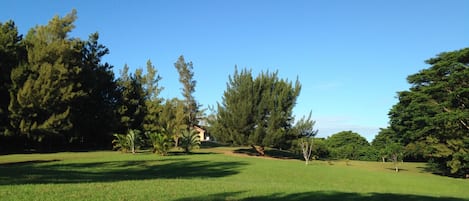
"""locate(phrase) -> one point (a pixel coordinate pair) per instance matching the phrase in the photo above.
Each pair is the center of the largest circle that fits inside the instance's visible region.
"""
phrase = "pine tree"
(152, 101)
(93, 114)
(236, 117)
(131, 104)
(41, 107)
(257, 111)
(186, 77)
(11, 54)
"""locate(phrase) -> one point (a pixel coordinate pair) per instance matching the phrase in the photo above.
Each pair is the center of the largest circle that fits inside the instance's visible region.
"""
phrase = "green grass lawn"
(211, 175)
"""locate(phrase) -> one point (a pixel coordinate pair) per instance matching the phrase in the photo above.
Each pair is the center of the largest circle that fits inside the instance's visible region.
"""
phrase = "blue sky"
(350, 56)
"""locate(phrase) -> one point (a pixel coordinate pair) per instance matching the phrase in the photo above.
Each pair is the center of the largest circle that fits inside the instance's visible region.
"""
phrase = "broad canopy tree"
(434, 114)
(348, 145)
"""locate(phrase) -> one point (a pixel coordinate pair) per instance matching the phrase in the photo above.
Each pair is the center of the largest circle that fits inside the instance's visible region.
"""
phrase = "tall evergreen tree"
(41, 107)
(257, 111)
(236, 115)
(433, 113)
(131, 105)
(93, 114)
(186, 77)
(11, 53)
(152, 100)
(275, 111)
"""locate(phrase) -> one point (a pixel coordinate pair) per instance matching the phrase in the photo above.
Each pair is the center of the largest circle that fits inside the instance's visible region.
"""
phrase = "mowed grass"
(210, 174)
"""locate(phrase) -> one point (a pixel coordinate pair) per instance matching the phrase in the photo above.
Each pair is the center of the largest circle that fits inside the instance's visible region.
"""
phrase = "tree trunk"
(384, 159)
(176, 142)
(259, 150)
(394, 158)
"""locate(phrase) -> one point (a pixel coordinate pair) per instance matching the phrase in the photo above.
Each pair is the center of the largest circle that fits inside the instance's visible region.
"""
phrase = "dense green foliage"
(257, 111)
(51, 78)
(44, 83)
(11, 54)
(129, 142)
(161, 142)
(131, 103)
(210, 176)
(57, 93)
(432, 118)
(93, 114)
(173, 119)
(190, 140)
(349, 145)
(55, 90)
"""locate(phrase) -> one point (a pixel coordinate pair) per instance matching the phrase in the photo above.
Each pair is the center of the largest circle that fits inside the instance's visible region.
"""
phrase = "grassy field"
(214, 174)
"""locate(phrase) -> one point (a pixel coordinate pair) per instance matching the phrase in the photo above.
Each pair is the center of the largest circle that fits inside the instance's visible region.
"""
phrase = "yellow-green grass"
(214, 174)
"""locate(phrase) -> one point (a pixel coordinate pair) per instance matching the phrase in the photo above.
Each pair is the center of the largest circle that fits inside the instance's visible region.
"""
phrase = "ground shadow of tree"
(273, 153)
(44, 172)
(321, 196)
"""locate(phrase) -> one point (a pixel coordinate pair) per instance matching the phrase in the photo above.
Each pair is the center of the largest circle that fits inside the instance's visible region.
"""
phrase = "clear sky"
(350, 56)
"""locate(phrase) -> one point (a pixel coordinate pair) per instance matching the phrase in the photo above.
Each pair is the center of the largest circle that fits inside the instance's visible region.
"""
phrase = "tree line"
(56, 93)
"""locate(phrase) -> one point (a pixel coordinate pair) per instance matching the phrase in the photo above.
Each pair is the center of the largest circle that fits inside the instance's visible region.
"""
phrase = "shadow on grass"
(322, 196)
(400, 169)
(28, 162)
(274, 153)
(44, 172)
(181, 153)
(428, 168)
(214, 197)
(211, 144)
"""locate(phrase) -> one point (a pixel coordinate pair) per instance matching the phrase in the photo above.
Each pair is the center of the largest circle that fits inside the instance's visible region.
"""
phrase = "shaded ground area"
(273, 153)
(53, 171)
(321, 196)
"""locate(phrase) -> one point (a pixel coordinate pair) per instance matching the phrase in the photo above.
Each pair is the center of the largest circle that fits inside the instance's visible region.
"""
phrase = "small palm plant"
(129, 142)
(161, 143)
(121, 142)
(190, 140)
(134, 140)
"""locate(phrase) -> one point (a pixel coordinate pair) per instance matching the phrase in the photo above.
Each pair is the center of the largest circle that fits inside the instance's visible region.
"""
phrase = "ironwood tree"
(12, 52)
(153, 102)
(131, 104)
(257, 111)
(93, 114)
(44, 92)
(432, 117)
(186, 78)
